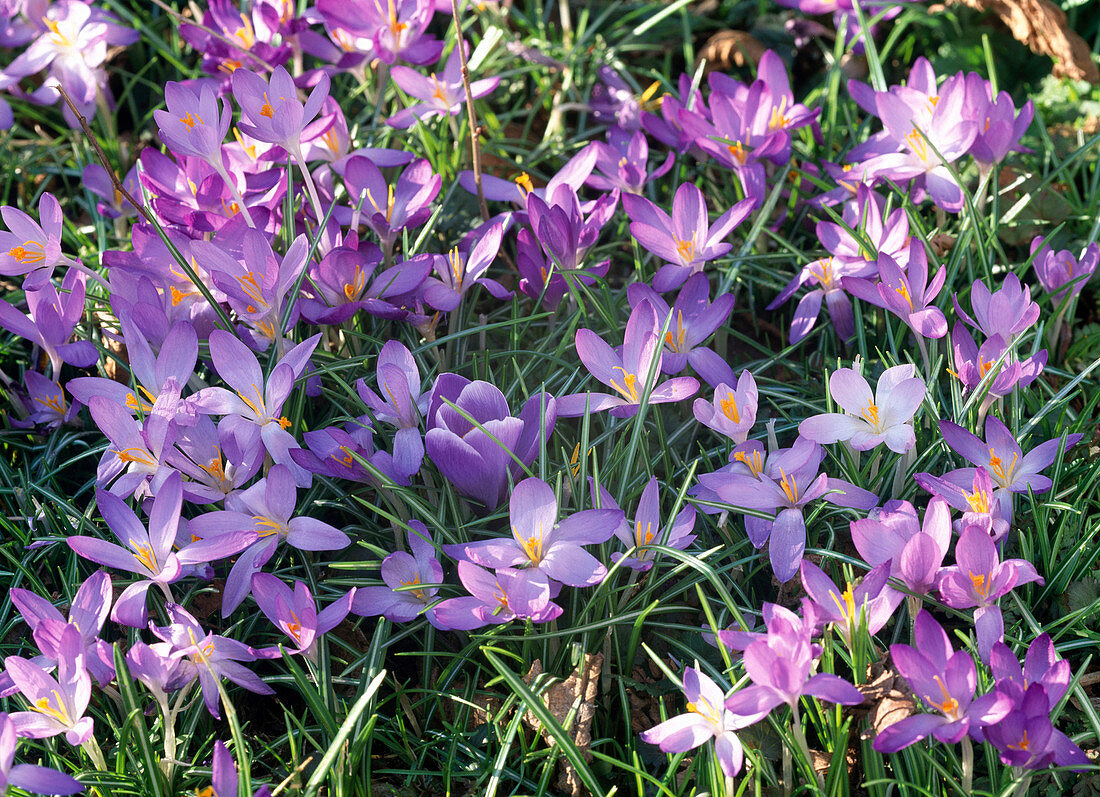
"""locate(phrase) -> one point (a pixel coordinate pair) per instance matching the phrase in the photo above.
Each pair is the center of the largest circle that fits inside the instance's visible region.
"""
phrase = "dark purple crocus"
(388, 208)
(294, 612)
(29, 777)
(401, 404)
(411, 581)
(1041, 666)
(979, 579)
(541, 543)
(1000, 127)
(780, 664)
(686, 240)
(224, 781)
(945, 679)
(1026, 738)
(907, 294)
(1011, 470)
(631, 371)
(479, 456)
(691, 320)
(497, 598)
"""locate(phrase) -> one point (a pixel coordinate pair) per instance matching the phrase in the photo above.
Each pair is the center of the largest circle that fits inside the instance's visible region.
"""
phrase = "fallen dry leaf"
(729, 48)
(1041, 25)
(890, 697)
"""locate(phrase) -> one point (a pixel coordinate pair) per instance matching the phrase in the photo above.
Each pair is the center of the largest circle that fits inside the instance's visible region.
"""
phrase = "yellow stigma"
(846, 602)
(532, 546)
(790, 486)
(729, 408)
(191, 120)
(266, 109)
(825, 275)
(903, 290)
(738, 151)
(628, 389)
(144, 554)
(779, 119)
(978, 501)
(28, 252)
(53, 710)
(918, 144)
(643, 537)
(135, 455)
(872, 416)
(754, 461)
(686, 250)
(677, 343)
(265, 526)
(950, 705)
(1000, 472)
(981, 585)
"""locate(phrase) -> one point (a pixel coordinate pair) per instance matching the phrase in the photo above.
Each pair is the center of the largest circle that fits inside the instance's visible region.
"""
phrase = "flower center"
(143, 552)
(729, 408)
(28, 252)
(44, 706)
(950, 705)
(266, 109)
(629, 389)
(677, 344)
(981, 584)
(266, 526)
(532, 546)
(135, 455)
(191, 120)
(871, 414)
(753, 461)
(686, 250)
(790, 486)
(1002, 474)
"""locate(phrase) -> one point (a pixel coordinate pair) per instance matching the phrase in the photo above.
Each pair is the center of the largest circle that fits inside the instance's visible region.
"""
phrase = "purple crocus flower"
(622, 164)
(907, 294)
(646, 528)
(1041, 666)
(195, 123)
(254, 401)
(1007, 312)
(707, 718)
(496, 599)
(266, 508)
(404, 404)
(29, 777)
(146, 552)
(1000, 127)
(395, 29)
(390, 208)
(853, 607)
(732, 412)
(632, 372)
(1060, 272)
(973, 364)
(295, 613)
(45, 403)
(440, 94)
(57, 705)
(112, 203)
(480, 457)
(780, 664)
(976, 503)
(945, 679)
(209, 656)
(789, 480)
(137, 451)
(335, 452)
(979, 579)
(403, 599)
(691, 320)
(541, 543)
(1011, 470)
(158, 670)
(224, 781)
(459, 271)
(886, 417)
(1026, 738)
(686, 240)
(914, 551)
(272, 112)
(215, 461)
(30, 247)
(50, 322)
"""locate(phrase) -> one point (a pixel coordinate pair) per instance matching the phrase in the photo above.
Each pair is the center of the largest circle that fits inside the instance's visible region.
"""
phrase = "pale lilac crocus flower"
(979, 579)
(540, 542)
(706, 718)
(850, 608)
(691, 320)
(403, 404)
(224, 780)
(29, 777)
(1060, 272)
(45, 402)
(57, 705)
(914, 549)
(870, 420)
(976, 503)
(295, 613)
(29, 247)
(1011, 470)
(410, 580)
(973, 364)
(497, 598)
(686, 240)
(646, 528)
(732, 411)
(458, 271)
(51, 320)
(631, 372)
(945, 679)
(440, 94)
(1007, 312)
(907, 294)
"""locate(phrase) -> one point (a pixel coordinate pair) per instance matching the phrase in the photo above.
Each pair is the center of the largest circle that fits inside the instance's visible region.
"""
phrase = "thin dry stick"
(475, 130)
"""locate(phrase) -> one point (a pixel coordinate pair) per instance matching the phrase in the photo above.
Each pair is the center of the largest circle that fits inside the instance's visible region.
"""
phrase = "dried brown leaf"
(729, 48)
(1041, 25)
(890, 697)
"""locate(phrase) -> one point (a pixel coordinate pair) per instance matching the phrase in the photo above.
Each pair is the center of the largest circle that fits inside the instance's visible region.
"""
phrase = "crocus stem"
(803, 745)
(967, 764)
(924, 355)
(83, 269)
(229, 181)
(91, 747)
(311, 189)
(1025, 781)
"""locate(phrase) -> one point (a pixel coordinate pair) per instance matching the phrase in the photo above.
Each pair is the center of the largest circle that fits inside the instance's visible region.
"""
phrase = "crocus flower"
(707, 718)
(1026, 738)
(978, 580)
(780, 664)
(973, 364)
(976, 502)
(209, 656)
(1011, 470)
(686, 239)
(480, 457)
(112, 203)
(852, 607)
(254, 400)
(914, 550)
(215, 461)
(1060, 272)
(945, 679)
(404, 405)
(732, 412)
(1041, 666)
(30, 247)
(295, 613)
(224, 781)
(336, 453)
(632, 373)
(440, 94)
(496, 599)
(886, 417)
(390, 208)
(158, 670)
(646, 529)
(1007, 312)
(691, 320)
(45, 402)
(57, 705)
(459, 271)
(266, 508)
(907, 294)
(272, 112)
(1000, 127)
(195, 123)
(51, 320)
(409, 571)
(394, 29)
(541, 543)
(29, 777)
(135, 460)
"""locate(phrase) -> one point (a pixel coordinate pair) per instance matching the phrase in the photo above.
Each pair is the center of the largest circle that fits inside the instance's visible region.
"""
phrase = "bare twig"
(236, 45)
(475, 130)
